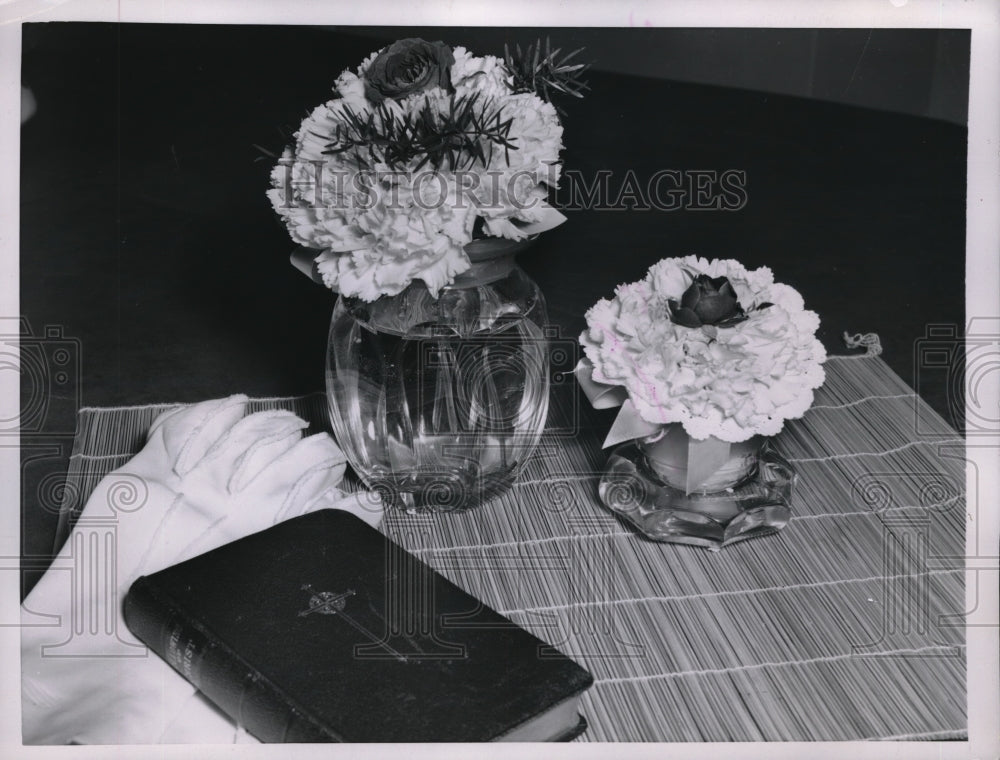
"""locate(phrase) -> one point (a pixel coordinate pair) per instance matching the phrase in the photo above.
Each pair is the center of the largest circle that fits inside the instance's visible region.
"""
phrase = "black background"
(147, 236)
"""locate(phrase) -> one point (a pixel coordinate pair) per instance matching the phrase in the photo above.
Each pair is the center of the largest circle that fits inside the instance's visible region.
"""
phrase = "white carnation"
(518, 180)
(374, 237)
(485, 75)
(729, 382)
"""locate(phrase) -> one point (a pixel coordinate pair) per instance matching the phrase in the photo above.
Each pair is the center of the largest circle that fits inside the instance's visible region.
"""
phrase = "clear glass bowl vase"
(438, 403)
(746, 496)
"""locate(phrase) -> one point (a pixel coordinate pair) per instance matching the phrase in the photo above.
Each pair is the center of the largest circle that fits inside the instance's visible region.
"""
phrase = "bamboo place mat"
(846, 625)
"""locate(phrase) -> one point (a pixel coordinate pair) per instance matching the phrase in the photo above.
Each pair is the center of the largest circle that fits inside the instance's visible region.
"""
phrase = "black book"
(320, 629)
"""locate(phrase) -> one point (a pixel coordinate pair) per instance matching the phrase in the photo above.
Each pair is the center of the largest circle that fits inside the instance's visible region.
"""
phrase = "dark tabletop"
(146, 237)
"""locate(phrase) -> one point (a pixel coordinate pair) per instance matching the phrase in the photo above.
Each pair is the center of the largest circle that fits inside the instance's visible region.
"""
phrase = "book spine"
(217, 672)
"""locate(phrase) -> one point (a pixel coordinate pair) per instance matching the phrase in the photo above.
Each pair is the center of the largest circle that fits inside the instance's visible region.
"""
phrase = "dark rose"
(708, 301)
(408, 66)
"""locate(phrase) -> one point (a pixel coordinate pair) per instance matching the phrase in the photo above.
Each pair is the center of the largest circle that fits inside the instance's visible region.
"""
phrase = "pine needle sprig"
(545, 72)
(466, 132)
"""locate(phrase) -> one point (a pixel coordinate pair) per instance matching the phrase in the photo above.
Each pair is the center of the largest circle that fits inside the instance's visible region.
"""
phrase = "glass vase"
(747, 495)
(438, 403)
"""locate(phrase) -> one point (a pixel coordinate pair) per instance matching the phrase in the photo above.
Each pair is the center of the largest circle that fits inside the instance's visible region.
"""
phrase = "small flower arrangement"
(424, 148)
(726, 352)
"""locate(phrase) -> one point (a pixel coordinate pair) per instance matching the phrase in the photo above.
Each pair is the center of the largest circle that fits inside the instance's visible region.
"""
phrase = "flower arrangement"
(424, 148)
(726, 352)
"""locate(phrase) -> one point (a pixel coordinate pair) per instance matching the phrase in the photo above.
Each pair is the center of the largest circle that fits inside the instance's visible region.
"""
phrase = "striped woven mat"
(846, 625)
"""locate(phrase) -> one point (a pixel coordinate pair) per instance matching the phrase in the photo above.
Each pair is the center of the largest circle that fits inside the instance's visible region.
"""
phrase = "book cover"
(321, 629)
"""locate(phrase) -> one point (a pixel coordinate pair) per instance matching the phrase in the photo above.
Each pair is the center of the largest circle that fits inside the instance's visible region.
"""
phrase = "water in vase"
(440, 414)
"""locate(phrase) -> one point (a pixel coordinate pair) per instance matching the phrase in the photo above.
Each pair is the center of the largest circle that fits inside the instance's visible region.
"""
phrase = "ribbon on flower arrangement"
(628, 425)
(702, 458)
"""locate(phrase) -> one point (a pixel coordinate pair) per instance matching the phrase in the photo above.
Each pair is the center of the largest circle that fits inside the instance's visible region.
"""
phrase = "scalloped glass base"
(755, 506)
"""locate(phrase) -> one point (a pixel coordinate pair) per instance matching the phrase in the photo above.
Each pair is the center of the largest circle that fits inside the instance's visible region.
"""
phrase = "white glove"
(206, 476)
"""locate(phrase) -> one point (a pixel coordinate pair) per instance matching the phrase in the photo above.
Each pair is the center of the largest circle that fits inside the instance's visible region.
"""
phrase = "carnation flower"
(362, 202)
(733, 379)
(516, 185)
(485, 74)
